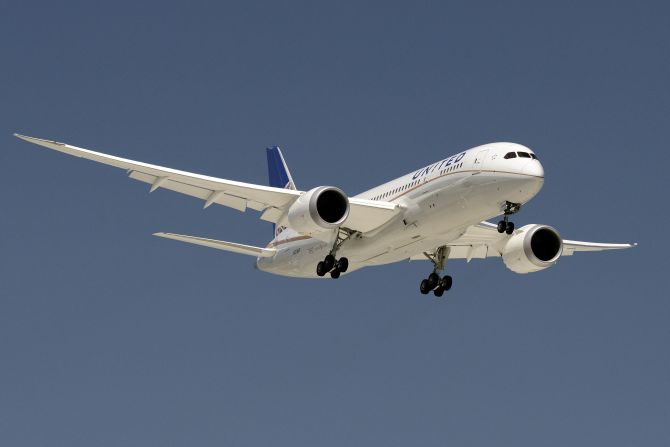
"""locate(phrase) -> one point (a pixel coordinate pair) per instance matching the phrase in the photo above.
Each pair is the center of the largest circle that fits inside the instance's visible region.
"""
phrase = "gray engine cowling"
(532, 248)
(318, 210)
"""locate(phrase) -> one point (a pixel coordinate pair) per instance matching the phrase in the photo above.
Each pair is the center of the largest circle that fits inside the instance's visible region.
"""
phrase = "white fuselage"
(438, 203)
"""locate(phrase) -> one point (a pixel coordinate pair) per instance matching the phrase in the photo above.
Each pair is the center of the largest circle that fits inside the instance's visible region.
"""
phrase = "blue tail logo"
(279, 175)
(278, 172)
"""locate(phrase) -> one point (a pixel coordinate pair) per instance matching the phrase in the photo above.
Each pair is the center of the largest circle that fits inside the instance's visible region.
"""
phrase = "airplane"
(436, 213)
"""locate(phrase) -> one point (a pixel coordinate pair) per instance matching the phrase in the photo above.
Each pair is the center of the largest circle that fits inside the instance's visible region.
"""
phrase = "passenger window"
(510, 155)
(524, 154)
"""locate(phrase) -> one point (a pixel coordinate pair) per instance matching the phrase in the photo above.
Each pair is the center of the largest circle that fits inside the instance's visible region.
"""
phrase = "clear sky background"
(111, 337)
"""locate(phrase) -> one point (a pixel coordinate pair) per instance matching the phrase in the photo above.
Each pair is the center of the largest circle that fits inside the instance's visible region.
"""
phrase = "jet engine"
(532, 248)
(319, 209)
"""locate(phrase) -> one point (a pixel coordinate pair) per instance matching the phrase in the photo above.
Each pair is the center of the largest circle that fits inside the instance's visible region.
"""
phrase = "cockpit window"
(510, 155)
(533, 156)
(524, 154)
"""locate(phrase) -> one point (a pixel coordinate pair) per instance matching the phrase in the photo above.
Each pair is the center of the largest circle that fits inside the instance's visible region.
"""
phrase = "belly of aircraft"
(439, 217)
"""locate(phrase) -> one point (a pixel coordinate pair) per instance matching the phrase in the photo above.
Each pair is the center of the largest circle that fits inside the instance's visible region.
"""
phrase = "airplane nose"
(534, 168)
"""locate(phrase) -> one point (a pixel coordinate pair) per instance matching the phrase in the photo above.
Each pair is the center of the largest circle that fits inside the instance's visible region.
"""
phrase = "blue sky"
(109, 336)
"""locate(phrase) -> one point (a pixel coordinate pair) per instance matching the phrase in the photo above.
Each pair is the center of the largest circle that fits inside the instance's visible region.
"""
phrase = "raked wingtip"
(40, 141)
(164, 235)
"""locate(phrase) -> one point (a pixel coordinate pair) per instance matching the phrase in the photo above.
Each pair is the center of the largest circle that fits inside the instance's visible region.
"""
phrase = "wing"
(221, 245)
(570, 247)
(367, 215)
(483, 241)
(229, 193)
(364, 215)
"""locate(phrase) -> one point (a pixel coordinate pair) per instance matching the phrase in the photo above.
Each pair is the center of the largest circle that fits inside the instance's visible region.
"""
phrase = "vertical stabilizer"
(280, 176)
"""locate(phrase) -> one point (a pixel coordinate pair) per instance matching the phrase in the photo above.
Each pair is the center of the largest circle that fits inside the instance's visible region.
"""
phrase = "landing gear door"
(479, 159)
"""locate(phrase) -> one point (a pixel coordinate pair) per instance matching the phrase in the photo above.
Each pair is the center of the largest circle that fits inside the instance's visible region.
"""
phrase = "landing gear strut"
(434, 282)
(505, 226)
(330, 263)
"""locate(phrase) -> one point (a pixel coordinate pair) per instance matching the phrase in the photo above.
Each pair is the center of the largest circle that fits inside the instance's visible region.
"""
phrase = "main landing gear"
(330, 263)
(505, 226)
(434, 282)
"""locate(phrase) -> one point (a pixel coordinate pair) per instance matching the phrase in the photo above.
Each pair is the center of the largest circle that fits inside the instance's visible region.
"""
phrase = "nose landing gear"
(505, 226)
(434, 282)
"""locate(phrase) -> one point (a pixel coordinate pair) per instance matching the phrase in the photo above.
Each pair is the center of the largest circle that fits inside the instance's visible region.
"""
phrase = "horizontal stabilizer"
(221, 245)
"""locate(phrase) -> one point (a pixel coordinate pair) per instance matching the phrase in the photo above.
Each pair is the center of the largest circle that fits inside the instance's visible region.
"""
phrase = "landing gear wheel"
(433, 280)
(329, 262)
(434, 283)
(321, 269)
(342, 264)
(335, 274)
(446, 283)
(424, 287)
(505, 226)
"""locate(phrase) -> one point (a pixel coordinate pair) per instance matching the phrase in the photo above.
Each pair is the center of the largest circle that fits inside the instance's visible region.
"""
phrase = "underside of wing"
(368, 215)
(570, 247)
(483, 240)
(477, 242)
(237, 195)
(221, 245)
(273, 203)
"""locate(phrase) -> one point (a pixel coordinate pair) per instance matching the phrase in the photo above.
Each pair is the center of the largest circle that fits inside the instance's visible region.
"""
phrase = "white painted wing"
(221, 245)
(367, 215)
(570, 247)
(483, 240)
(364, 215)
(229, 193)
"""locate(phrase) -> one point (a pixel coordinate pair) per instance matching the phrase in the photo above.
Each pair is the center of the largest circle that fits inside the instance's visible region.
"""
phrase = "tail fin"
(280, 176)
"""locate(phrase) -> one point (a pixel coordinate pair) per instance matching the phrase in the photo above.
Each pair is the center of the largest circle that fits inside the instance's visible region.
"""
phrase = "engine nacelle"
(532, 248)
(319, 209)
